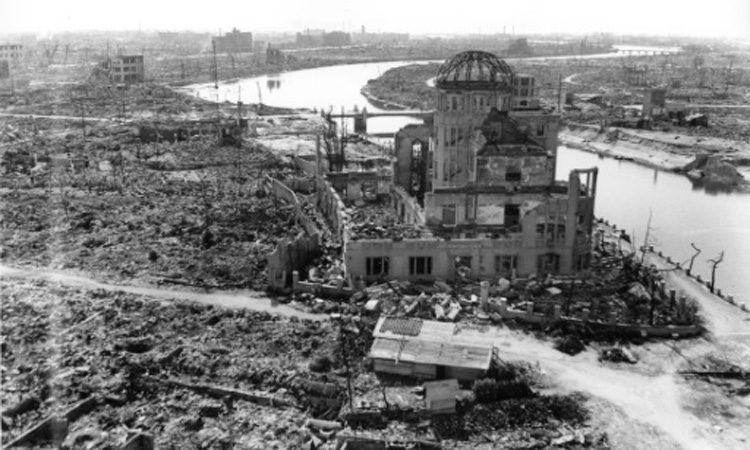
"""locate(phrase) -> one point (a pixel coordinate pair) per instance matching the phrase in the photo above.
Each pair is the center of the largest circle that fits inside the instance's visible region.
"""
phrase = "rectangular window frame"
(420, 265)
(377, 266)
(446, 209)
(505, 264)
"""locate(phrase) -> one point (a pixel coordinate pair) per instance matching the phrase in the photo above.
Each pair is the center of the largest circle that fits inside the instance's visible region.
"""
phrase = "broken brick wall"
(289, 256)
(332, 208)
(407, 207)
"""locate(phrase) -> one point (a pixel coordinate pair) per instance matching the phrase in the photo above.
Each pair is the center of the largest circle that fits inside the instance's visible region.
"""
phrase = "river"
(681, 213)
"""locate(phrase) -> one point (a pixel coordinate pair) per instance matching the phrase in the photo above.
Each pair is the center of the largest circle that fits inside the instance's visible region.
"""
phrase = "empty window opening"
(420, 265)
(513, 173)
(583, 261)
(377, 266)
(548, 263)
(449, 214)
(505, 265)
(463, 266)
(512, 215)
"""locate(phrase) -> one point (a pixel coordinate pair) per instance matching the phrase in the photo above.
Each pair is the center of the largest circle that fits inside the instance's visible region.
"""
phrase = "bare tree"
(67, 52)
(692, 259)
(50, 53)
(715, 262)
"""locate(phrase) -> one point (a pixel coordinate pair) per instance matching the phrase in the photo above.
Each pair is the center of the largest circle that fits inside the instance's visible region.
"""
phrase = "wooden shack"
(440, 396)
(428, 350)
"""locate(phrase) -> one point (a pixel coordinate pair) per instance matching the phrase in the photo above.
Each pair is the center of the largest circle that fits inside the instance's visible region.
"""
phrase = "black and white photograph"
(366, 225)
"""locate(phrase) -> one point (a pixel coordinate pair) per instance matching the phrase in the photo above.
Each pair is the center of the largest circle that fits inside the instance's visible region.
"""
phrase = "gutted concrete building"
(481, 179)
(126, 69)
(235, 41)
(13, 53)
(472, 191)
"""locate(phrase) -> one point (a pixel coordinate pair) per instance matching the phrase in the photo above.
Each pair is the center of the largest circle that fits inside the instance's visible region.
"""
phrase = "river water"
(681, 213)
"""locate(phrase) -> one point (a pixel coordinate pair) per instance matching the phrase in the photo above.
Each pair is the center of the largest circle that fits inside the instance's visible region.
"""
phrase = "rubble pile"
(617, 354)
(614, 292)
(377, 220)
(191, 375)
(97, 99)
(189, 213)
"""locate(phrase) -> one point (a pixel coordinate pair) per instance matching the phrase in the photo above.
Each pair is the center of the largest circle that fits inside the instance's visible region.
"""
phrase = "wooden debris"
(53, 429)
(139, 441)
(237, 394)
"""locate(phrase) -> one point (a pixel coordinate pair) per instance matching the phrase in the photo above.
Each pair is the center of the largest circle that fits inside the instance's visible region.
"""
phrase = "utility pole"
(729, 74)
(83, 119)
(216, 86)
(559, 92)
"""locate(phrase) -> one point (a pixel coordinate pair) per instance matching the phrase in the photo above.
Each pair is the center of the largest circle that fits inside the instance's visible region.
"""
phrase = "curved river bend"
(627, 192)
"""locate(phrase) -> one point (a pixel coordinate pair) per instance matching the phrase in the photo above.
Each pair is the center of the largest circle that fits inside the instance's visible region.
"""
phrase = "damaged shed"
(428, 350)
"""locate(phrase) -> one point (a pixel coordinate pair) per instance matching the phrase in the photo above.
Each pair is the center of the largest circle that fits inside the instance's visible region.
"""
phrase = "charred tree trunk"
(715, 262)
(692, 259)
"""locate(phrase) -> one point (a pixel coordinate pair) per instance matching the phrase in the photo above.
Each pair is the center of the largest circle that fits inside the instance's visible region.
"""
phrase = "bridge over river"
(360, 117)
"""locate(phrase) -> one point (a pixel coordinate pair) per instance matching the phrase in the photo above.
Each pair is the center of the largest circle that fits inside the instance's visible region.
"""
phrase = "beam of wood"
(220, 391)
(140, 441)
(51, 429)
(81, 409)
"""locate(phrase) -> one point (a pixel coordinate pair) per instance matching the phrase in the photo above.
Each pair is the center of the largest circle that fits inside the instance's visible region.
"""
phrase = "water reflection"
(683, 211)
(710, 187)
(273, 83)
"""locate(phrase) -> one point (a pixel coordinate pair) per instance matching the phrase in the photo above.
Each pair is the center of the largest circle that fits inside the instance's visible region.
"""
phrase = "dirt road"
(256, 301)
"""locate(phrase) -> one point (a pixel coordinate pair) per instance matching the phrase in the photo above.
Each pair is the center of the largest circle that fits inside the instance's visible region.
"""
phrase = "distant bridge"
(360, 117)
(397, 113)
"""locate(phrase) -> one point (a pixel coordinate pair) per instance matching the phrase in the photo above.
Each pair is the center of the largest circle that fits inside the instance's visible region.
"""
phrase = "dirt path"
(650, 402)
(727, 323)
(256, 301)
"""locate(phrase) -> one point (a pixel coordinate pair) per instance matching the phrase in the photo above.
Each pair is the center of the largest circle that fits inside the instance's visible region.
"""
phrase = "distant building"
(13, 53)
(379, 38)
(184, 42)
(126, 69)
(310, 38)
(654, 103)
(274, 56)
(234, 42)
(337, 39)
(4, 70)
(319, 38)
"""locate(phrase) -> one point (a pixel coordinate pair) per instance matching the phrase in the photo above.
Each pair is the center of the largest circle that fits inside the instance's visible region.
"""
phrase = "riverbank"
(713, 163)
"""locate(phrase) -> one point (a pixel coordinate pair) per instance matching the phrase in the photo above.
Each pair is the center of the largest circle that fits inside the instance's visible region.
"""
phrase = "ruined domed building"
(473, 190)
(481, 178)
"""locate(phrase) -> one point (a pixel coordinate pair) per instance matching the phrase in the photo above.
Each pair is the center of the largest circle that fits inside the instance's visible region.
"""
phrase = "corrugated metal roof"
(432, 352)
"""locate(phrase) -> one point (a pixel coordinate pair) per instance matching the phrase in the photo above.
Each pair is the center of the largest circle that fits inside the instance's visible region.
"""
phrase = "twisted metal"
(475, 70)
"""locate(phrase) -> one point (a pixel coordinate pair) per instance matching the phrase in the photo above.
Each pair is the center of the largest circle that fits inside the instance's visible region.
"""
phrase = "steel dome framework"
(475, 70)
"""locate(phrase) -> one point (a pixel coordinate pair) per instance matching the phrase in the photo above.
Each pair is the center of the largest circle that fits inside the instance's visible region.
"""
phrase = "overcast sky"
(730, 18)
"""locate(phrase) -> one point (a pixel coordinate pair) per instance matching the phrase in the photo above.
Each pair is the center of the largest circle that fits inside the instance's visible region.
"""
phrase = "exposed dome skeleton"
(475, 69)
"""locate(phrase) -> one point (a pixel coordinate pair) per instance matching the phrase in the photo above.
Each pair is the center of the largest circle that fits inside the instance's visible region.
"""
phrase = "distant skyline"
(717, 18)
